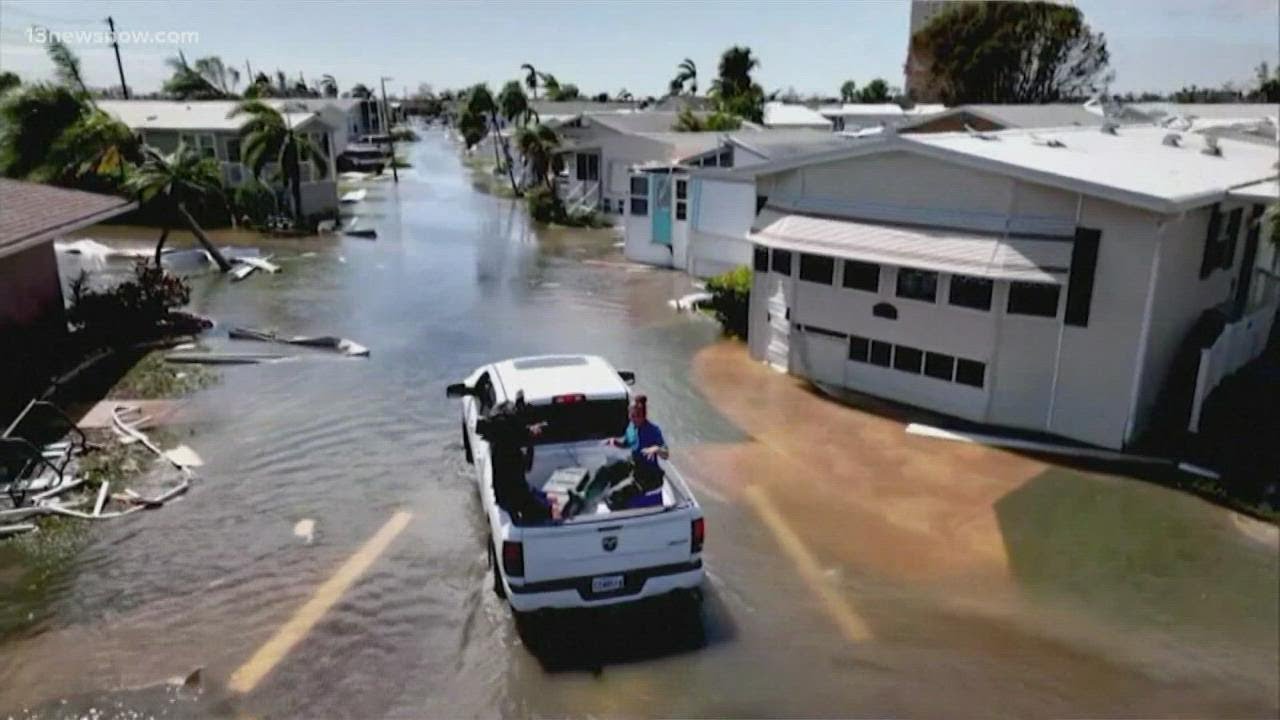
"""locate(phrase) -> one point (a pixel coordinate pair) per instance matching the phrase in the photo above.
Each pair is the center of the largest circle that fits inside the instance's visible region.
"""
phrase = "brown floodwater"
(852, 570)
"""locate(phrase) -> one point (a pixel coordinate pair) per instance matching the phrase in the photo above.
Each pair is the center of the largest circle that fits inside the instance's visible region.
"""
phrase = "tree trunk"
(203, 239)
(506, 153)
(164, 235)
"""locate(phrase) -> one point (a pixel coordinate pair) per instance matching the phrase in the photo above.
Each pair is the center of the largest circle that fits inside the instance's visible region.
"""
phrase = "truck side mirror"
(628, 376)
(458, 390)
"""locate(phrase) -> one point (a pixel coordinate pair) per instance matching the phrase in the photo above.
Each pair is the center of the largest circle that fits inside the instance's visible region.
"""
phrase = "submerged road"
(852, 571)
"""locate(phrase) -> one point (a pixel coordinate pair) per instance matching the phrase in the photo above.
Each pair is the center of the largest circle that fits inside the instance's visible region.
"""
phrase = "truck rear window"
(583, 420)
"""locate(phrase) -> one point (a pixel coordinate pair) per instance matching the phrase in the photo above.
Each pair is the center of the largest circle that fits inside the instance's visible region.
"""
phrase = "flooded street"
(851, 571)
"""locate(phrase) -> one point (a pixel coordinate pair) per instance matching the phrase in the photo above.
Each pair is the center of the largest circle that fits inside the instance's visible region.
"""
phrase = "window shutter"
(1228, 247)
(1209, 261)
(1084, 265)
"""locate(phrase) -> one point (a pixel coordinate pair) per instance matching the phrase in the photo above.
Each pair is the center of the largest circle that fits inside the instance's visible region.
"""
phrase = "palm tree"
(67, 68)
(269, 138)
(182, 180)
(514, 104)
(849, 92)
(736, 65)
(207, 79)
(329, 86)
(481, 102)
(537, 146)
(624, 95)
(96, 152)
(32, 118)
(8, 81)
(223, 77)
(686, 73)
(360, 90)
(530, 79)
(550, 86)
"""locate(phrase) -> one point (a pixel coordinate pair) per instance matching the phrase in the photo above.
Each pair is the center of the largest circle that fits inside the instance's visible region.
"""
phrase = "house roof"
(1210, 111)
(637, 121)
(31, 214)
(779, 114)
(189, 115)
(1265, 191)
(942, 250)
(687, 144)
(859, 109)
(1020, 116)
(1132, 167)
(778, 143)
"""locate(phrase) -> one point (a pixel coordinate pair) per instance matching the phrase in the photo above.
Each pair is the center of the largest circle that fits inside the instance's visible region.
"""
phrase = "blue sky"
(605, 46)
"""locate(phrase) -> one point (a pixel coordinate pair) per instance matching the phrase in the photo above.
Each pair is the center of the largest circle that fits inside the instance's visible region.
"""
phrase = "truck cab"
(600, 555)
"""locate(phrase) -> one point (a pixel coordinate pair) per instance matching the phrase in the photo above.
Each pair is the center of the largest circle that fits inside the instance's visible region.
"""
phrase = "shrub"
(544, 205)
(133, 309)
(730, 299)
(253, 200)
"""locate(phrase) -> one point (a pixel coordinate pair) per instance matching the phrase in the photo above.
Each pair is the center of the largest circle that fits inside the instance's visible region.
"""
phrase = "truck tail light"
(512, 558)
(697, 534)
(568, 399)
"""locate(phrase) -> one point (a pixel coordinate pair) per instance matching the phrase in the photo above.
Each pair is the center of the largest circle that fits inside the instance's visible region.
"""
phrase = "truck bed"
(590, 457)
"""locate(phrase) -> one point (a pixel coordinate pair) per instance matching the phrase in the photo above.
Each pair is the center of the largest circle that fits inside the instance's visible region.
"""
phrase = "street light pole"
(386, 114)
(111, 23)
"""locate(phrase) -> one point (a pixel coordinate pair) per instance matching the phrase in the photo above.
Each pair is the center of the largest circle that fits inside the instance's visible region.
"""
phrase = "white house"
(694, 215)
(1043, 280)
(209, 126)
(599, 150)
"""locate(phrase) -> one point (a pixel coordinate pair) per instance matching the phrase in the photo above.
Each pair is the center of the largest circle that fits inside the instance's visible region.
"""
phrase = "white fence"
(1240, 342)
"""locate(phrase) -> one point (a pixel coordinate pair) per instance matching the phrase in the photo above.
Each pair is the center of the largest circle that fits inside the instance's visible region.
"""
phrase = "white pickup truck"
(599, 556)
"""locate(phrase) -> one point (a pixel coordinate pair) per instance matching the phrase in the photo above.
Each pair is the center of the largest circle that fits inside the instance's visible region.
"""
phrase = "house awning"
(937, 249)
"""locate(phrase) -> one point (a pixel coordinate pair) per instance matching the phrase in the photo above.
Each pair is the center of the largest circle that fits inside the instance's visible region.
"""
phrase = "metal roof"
(1265, 191)
(778, 143)
(779, 114)
(190, 115)
(31, 213)
(937, 249)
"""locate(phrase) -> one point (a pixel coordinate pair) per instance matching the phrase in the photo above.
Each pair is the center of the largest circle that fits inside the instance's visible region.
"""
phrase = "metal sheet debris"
(342, 345)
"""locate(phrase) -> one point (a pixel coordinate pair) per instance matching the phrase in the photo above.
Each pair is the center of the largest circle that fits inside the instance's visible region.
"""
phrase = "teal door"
(660, 208)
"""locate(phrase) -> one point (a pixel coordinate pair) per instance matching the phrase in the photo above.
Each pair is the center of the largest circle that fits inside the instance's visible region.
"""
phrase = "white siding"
(723, 216)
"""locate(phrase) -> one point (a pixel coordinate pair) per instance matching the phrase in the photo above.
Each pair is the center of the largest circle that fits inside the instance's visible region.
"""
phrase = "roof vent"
(1172, 140)
(1110, 128)
(975, 133)
(1211, 146)
(1047, 142)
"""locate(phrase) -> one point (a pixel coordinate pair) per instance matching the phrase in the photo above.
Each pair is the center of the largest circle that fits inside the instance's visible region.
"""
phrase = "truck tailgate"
(608, 546)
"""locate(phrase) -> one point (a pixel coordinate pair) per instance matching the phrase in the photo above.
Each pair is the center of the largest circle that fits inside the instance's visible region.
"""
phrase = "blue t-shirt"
(637, 439)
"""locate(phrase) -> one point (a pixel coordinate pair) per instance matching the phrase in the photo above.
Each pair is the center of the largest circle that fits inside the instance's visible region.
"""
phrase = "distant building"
(32, 319)
(208, 125)
(782, 115)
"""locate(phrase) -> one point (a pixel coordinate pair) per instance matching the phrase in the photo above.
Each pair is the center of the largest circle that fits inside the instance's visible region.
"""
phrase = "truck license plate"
(606, 583)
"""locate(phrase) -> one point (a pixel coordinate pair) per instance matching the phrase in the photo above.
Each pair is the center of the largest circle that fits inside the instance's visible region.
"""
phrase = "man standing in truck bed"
(644, 440)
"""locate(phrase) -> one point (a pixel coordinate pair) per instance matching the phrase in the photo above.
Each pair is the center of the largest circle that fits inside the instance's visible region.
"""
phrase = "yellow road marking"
(247, 677)
(848, 620)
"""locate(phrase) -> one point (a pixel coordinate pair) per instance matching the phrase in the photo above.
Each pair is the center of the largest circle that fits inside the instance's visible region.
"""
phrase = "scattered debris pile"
(40, 476)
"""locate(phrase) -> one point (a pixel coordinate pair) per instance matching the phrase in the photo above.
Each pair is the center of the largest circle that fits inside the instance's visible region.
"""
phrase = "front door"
(660, 208)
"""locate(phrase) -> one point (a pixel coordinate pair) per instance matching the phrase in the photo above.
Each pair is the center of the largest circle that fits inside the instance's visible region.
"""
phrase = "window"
(970, 372)
(1084, 264)
(639, 195)
(726, 158)
(1037, 299)
(816, 268)
(907, 359)
(682, 189)
(606, 206)
(573, 422)
(937, 365)
(588, 167)
(682, 211)
(760, 259)
(970, 292)
(233, 150)
(781, 262)
(917, 284)
(859, 348)
(881, 352)
(861, 276)
(1228, 242)
(761, 201)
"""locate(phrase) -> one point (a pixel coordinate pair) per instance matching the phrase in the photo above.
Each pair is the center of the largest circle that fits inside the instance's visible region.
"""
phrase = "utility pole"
(386, 114)
(249, 69)
(119, 66)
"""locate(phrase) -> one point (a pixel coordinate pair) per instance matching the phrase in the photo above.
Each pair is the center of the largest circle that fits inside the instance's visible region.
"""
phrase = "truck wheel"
(466, 444)
(498, 590)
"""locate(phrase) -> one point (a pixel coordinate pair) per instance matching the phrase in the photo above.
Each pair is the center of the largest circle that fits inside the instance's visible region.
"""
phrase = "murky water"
(456, 279)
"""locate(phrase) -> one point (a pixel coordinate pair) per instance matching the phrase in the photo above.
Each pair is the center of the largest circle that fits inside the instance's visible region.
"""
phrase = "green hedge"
(730, 298)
